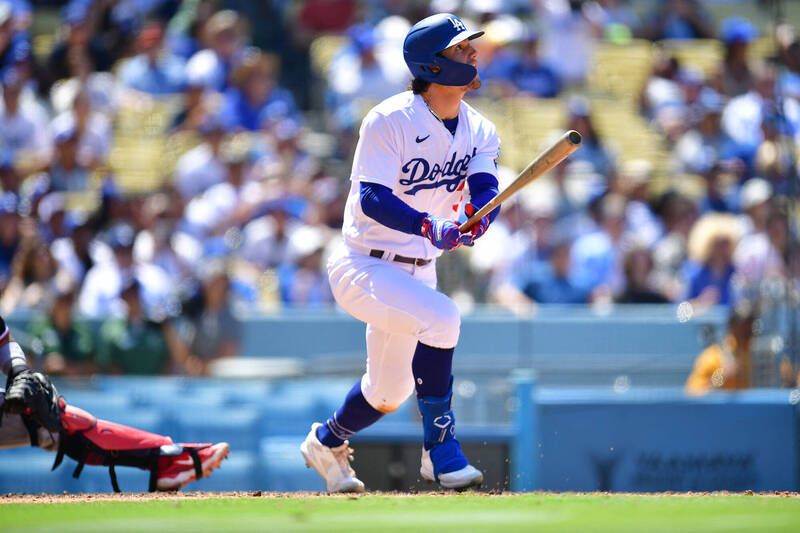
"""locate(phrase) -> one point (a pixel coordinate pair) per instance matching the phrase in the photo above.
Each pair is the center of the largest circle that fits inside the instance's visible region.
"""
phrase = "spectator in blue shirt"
(529, 74)
(155, 70)
(555, 283)
(9, 234)
(593, 147)
(255, 89)
(678, 19)
(711, 244)
(15, 46)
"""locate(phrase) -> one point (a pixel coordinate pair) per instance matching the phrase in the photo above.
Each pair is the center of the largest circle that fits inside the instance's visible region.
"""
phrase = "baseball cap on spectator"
(363, 37)
(50, 205)
(12, 79)
(200, 71)
(483, 7)
(710, 101)
(395, 27)
(612, 206)
(507, 29)
(579, 106)
(63, 285)
(287, 129)
(75, 12)
(120, 236)
(709, 228)
(6, 10)
(221, 21)
(272, 113)
(236, 150)
(109, 189)
(8, 203)
(211, 269)
(64, 129)
(692, 75)
(754, 191)
(130, 286)
(304, 241)
(6, 158)
(634, 173)
(737, 30)
(213, 123)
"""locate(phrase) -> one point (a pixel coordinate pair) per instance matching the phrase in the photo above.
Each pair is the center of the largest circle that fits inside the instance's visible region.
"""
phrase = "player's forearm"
(482, 188)
(380, 204)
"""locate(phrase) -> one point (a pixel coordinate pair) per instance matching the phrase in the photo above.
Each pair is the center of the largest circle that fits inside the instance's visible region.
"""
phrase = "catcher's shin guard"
(93, 441)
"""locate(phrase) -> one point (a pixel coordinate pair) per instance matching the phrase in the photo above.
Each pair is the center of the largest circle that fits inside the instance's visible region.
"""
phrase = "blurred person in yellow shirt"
(726, 364)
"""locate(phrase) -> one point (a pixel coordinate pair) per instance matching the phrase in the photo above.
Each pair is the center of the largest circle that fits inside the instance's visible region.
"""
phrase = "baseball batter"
(416, 151)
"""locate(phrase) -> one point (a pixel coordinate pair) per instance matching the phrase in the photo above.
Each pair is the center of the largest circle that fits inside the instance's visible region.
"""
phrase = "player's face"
(464, 52)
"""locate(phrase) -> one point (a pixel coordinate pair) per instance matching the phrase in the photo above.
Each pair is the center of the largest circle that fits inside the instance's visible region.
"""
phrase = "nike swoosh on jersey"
(420, 140)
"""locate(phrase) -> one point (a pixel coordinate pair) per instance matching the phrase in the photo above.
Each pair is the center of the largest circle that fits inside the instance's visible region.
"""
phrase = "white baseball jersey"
(404, 147)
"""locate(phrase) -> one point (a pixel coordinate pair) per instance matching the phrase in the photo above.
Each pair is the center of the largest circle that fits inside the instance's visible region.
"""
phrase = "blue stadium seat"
(289, 414)
(284, 466)
(27, 470)
(241, 428)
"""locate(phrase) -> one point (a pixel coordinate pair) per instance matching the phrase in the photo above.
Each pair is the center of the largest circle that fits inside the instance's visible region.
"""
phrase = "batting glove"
(443, 233)
(480, 227)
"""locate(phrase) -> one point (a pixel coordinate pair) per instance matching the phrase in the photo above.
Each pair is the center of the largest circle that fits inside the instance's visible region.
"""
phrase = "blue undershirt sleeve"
(482, 188)
(380, 204)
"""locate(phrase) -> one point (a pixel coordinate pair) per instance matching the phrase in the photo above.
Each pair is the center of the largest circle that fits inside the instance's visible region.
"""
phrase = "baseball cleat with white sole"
(333, 464)
(466, 477)
(176, 471)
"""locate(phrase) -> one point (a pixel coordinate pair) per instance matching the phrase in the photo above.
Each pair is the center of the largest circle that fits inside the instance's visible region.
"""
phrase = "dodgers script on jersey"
(404, 147)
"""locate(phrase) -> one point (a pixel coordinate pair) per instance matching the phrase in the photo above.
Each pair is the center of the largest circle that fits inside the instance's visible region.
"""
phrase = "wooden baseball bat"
(564, 146)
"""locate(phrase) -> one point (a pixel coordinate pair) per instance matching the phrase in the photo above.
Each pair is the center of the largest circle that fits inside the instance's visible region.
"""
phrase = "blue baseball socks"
(432, 368)
(354, 415)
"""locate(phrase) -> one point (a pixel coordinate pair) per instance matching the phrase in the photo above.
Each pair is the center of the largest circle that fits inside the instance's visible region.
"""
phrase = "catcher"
(32, 413)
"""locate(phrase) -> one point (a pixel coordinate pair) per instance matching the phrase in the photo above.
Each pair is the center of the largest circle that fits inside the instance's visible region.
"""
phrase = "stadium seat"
(27, 470)
(241, 428)
(284, 466)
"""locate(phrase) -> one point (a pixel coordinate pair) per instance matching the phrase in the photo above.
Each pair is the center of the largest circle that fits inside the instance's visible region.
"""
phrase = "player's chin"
(475, 83)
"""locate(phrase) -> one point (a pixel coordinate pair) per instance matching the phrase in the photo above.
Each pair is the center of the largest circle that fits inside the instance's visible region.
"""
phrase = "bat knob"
(574, 137)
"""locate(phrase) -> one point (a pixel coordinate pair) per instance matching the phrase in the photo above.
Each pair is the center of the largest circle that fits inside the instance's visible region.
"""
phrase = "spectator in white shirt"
(201, 167)
(23, 128)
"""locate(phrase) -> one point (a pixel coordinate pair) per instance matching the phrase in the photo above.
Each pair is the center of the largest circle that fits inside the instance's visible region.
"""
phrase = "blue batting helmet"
(430, 36)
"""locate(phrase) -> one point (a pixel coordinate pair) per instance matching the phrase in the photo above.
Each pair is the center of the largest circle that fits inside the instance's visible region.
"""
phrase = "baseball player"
(416, 150)
(33, 414)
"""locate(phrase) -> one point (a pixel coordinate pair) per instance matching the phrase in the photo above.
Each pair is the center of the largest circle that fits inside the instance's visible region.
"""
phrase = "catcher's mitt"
(34, 391)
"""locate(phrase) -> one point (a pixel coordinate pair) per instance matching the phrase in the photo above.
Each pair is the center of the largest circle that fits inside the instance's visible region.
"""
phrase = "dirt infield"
(135, 496)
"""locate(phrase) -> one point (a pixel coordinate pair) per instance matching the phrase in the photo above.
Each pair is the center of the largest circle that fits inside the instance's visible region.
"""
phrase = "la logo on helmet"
(457, 24)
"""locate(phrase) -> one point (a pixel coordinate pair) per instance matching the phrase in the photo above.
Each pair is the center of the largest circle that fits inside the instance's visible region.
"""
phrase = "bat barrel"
(574, 137)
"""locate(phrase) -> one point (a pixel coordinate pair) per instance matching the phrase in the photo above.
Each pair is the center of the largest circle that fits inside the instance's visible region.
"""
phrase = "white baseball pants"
(401, 306)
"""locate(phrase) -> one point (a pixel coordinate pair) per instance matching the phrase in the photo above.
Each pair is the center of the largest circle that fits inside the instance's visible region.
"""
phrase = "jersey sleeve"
(485, 159)
(377, 155)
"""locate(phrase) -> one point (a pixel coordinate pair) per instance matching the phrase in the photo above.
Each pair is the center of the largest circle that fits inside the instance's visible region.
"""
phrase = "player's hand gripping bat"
(564, 146)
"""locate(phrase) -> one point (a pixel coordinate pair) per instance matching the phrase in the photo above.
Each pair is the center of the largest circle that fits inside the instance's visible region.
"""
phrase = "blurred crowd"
(269, 116)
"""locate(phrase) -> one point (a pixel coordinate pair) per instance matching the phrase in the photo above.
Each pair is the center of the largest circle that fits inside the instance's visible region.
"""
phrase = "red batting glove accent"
(480, 227)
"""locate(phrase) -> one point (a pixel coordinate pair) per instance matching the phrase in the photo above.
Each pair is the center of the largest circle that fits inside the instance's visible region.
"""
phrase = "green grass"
(416, 514)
